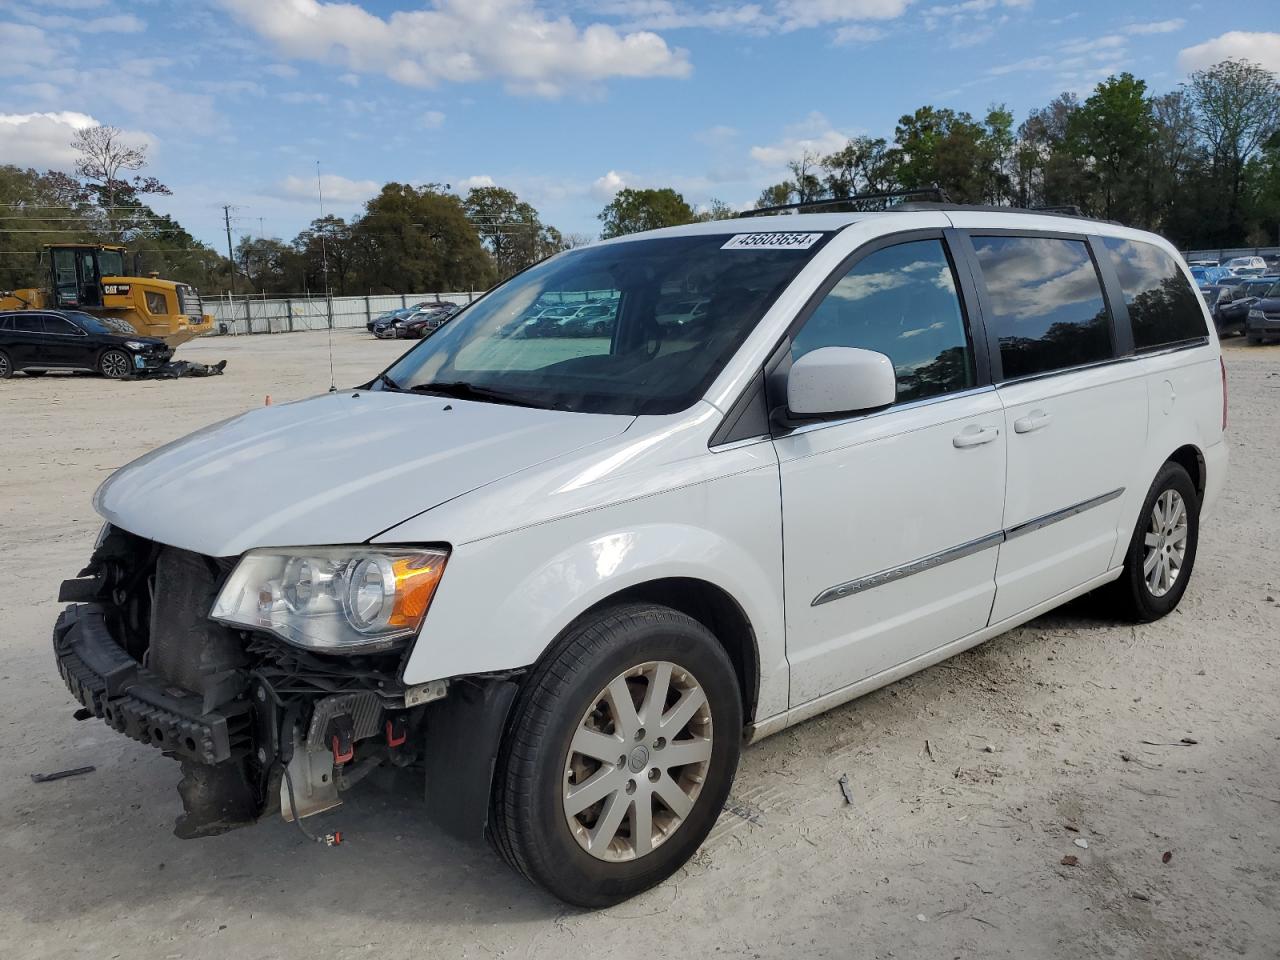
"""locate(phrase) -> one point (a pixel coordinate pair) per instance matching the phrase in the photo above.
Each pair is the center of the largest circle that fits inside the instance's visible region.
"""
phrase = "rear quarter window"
(1045, 303)
(1163, 307)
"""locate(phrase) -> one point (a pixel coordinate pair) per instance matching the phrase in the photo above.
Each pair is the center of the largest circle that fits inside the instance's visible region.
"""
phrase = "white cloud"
(463, 40)
(280, 70)
(605, 187)
(350, 79)
(431, 120)
(1109, 42)
(1262, 48)
(716, 136)
(814, 134)
(115, 23)
(666, 15)
(1156, 26)
(812, 13)
(296, 97)
(339, 190)
(856, 33)
(24, 47)
(43, 140)
(472, 183)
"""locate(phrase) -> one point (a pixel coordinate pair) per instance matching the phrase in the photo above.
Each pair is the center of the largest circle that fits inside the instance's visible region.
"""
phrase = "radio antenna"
(328, 293)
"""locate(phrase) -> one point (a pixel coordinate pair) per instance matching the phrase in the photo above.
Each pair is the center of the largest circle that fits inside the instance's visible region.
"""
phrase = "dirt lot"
(967, 779)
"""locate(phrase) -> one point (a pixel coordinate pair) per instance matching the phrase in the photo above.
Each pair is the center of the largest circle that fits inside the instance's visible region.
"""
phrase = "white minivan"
(562, 580)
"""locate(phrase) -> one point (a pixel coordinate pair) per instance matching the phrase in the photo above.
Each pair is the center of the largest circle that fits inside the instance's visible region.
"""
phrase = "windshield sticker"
(772, 241)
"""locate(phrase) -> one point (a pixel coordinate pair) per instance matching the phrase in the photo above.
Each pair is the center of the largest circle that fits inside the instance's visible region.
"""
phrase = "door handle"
(974, 436)
(1035, 420)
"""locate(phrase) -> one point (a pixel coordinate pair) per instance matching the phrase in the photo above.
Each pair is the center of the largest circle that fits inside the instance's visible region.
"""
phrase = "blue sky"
(564, 102)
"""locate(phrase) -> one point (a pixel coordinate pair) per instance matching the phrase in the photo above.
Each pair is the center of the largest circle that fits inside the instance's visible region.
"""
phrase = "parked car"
(1228, 303)
(565, 590)
(388, 318)
(1204, 275)
(37, 341)
(427, 321)
(1263, 322)
(1246, 266)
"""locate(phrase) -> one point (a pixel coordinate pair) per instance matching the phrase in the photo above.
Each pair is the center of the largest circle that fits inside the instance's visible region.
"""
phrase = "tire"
(6, 366)
(1134, 596)
(1254, 339)
(114, 364)
(566, 697)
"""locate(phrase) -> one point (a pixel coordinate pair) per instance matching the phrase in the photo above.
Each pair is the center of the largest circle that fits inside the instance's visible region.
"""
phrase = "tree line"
(1199, 164)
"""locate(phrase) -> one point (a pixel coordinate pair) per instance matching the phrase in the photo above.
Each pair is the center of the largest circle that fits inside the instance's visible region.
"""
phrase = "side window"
(60, 325)
(1046, 303)
(900, 301)
(1163, 307)
(28, 324)
(6, 323)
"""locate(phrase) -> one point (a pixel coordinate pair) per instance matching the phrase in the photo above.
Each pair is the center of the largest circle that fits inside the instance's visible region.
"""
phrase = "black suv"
(36, 341)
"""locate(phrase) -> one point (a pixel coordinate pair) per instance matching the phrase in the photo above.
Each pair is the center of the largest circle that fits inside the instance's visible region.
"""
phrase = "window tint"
(6, 323)
(1163, 308)
(60, 325)
(28, 325)
(1046, 303)
(900, 301)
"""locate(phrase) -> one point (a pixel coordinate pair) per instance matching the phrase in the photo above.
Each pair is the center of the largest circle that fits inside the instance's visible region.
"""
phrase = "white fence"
(286, 314)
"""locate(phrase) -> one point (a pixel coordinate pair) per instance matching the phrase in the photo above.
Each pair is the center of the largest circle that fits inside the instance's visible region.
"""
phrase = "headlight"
(135, 345)
(1256, 314)
(337, 599)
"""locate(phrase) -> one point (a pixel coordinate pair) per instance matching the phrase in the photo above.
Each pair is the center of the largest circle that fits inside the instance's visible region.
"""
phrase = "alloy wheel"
(637, 761)
(115, 365)
(1165, 543)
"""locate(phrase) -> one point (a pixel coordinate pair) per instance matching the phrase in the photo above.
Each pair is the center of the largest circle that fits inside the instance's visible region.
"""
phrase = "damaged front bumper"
(116, 688)
(258, 725)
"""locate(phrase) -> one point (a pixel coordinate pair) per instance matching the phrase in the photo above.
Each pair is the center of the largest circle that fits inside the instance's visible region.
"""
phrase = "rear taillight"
(1223, 365)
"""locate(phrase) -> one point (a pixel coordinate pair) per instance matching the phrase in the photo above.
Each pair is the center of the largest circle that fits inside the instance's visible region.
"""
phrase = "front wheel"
(6, 366)
(114, 365)
(619, 757)
(1162, 550)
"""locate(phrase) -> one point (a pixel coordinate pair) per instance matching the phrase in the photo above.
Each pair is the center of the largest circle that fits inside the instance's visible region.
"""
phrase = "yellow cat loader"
(91, 277)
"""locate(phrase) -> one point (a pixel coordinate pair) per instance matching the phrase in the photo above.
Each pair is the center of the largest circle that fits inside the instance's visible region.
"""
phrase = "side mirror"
(840, 380)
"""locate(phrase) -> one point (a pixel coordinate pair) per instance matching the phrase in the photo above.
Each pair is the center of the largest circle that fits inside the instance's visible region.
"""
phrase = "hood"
(338, 468)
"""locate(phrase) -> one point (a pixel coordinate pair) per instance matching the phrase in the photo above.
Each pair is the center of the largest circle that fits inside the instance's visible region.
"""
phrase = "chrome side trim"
(1039, 523)
(842, 590)
(880, 578)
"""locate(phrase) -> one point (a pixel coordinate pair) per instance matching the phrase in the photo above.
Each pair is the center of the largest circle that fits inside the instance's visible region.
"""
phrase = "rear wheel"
(6, 366)
(619, 757)
(1162, 551)
(114, 365)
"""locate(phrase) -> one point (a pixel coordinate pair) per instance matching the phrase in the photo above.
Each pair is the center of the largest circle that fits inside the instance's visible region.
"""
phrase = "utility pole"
(231, 257)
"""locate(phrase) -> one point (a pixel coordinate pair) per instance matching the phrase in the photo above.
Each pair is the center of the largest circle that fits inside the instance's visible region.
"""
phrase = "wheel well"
(1189, 459)
(714, 609)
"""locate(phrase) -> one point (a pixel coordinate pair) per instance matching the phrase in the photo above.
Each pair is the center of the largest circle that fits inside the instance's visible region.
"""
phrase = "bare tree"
(103, 156)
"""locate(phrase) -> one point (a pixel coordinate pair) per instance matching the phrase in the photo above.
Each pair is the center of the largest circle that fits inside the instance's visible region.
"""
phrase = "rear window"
(1163, 307)
(1045, 303)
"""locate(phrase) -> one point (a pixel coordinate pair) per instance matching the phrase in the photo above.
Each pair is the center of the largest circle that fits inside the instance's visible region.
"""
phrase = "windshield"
(611, 329)
(110, 263)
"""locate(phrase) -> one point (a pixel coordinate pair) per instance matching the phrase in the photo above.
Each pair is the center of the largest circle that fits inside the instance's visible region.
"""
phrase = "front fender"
(503, 600)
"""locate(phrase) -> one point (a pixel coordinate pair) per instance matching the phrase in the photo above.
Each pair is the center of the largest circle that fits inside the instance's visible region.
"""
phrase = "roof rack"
(934, 193)
(924, 198)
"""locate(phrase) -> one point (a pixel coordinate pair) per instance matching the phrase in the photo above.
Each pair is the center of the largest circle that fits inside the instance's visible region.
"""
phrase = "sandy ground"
(1035, 740)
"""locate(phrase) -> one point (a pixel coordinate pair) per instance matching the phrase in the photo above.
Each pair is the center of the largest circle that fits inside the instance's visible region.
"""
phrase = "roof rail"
(934, 193)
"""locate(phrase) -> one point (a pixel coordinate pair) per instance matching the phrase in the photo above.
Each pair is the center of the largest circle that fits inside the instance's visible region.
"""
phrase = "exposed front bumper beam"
(130, 698)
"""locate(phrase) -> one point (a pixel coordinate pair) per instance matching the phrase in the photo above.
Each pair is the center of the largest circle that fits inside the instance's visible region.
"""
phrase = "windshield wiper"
(469, 391)
(388, 383)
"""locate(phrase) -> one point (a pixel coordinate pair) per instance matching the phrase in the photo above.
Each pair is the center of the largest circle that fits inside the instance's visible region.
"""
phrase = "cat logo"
(115, 289)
